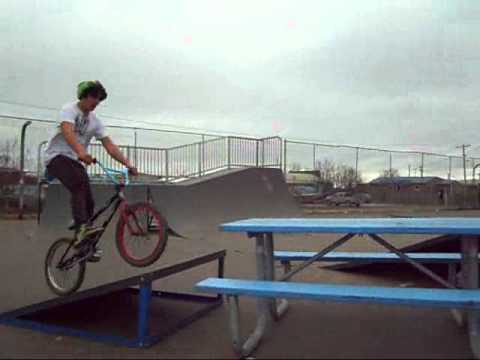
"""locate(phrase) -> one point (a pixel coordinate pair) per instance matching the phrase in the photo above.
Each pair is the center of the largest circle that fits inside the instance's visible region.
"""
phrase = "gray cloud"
(397, 73)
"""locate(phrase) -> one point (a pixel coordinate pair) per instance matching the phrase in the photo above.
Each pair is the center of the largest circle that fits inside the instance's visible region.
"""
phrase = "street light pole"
(22, 169)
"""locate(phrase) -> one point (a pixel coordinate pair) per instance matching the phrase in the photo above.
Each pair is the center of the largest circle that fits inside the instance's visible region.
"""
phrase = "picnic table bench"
(267, 289)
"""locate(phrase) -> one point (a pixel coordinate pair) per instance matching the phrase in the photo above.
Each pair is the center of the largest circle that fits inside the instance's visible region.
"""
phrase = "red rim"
(159, 238)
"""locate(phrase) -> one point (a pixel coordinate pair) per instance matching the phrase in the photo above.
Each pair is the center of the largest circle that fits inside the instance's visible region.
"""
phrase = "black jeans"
(74, 177)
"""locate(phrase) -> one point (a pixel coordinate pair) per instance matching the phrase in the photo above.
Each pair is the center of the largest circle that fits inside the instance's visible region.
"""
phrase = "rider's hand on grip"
(133, 171)
(86, 158)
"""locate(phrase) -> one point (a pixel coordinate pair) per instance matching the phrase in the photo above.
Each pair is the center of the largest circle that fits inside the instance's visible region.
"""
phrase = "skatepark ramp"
(193, 209)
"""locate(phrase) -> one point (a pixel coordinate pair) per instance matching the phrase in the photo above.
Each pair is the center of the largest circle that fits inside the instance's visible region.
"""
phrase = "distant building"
(307, 182)
(428, 190)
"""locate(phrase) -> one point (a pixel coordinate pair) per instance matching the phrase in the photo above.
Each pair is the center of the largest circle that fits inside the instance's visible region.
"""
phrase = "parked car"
(311, 198)
(364, 197)
(346, 198)
(306, 194)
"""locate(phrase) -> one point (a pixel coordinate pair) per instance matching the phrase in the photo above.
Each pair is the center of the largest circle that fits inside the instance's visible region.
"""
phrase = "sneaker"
(96, 256)
(84, 233)
(72, 225)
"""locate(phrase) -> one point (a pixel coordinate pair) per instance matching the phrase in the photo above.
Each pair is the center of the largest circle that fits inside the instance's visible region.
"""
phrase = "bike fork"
(129, 226)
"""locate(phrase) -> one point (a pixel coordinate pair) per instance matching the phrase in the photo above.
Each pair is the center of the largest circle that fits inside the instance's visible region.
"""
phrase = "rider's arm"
(68, 131)
(115, 152)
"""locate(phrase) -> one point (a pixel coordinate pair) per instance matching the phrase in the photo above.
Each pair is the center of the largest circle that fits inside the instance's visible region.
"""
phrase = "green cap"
(85, 86)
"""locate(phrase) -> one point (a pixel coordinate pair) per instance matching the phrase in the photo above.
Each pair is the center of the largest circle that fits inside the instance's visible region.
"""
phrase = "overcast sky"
(401, 74)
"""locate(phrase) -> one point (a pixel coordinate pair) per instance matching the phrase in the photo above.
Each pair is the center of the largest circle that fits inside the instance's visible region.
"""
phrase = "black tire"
(159, 231)
(78, 271)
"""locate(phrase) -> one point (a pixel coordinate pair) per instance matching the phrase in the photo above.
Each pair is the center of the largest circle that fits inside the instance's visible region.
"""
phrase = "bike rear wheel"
(141, 234)
(66, 279)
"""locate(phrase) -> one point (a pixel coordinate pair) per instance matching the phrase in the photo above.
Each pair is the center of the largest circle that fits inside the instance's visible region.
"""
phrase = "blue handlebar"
(110, 172)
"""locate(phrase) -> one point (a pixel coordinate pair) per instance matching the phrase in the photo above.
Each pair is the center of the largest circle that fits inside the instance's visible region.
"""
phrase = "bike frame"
(118, 201)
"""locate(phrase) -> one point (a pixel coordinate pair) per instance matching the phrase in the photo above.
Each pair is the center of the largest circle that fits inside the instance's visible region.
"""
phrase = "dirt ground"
(309, 329)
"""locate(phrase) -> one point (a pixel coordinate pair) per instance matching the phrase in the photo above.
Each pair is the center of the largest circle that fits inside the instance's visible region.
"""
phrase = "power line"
(14, 117)
(126, 119)
(182, 128)
(193, 131)
(29, 105)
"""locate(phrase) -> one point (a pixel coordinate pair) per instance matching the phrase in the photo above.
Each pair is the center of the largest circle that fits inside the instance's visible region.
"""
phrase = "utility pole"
(463, 146)
(314, 159)
(421, 166)
(449, 168)
(356, 166)
(391, 175)
(408, 170)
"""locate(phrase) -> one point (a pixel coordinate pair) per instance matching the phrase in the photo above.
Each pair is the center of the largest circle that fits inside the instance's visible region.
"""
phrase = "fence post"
(200, 156)
(256, 153)
(135, 145)
(285, 157)
(166, 165)
(229, 155)
(22, 166)
(281, 154)
(39, 157)
(263, 152)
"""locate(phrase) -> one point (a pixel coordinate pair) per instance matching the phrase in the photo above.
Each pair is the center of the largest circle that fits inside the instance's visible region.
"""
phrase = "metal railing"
(214, 155)
(197, 159)
(242, 151)
(272, 152)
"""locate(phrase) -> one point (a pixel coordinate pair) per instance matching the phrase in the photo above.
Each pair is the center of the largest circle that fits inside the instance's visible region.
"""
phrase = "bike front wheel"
(64, 274)
(141, 234)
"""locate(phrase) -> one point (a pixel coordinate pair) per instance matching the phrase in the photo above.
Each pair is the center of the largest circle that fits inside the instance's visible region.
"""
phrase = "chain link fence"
(370, 163)
(178, 154)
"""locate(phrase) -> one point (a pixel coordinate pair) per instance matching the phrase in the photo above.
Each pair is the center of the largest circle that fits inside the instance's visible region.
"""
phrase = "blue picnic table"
(272, 293)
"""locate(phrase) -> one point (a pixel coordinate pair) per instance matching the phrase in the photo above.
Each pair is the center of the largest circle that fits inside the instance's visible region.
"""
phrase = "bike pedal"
(96, 256)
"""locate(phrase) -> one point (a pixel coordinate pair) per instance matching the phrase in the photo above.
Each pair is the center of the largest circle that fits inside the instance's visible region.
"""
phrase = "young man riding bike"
(67, 150)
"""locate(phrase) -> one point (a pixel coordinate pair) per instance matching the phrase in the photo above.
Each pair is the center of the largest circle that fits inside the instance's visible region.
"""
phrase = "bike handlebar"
(110, 172)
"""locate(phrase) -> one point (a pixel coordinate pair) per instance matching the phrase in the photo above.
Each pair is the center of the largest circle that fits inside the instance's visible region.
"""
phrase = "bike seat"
(47, 177)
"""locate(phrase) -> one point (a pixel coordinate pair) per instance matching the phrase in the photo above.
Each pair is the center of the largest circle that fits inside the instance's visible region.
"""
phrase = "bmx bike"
(141, 237)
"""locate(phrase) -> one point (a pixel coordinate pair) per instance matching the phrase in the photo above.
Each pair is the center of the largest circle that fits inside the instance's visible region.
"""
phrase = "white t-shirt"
(86, 127)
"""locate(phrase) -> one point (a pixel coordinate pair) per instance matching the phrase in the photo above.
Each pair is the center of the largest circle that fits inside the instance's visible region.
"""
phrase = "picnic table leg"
(458, 314)
(470, 281)
(264, 306)
(279, 309)
(265, 271)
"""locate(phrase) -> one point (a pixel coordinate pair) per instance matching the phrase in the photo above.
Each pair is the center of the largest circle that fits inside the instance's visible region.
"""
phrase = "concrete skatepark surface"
(193, 209)
(309, 330)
